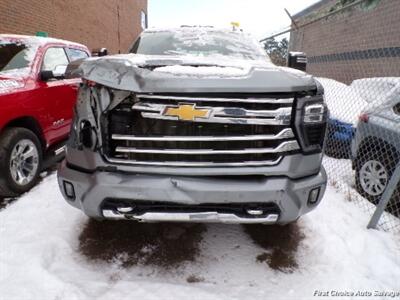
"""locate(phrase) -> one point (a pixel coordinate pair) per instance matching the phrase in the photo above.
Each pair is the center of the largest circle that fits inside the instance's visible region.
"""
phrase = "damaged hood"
(173, 74)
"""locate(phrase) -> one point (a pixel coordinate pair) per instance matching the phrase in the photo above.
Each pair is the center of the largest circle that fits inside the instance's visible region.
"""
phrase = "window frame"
(143, 21)
(27, 47)
(45, 52)
(66, 49)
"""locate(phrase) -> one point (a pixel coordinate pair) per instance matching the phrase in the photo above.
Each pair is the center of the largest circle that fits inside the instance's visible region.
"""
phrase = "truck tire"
(20, 161)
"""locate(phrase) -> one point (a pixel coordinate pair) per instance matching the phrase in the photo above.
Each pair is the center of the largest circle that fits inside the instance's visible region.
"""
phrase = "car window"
(75, 54)
(15, 55)
(54, 57)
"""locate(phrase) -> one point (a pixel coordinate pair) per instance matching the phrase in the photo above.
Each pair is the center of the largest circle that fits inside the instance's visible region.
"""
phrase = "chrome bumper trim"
(204, 217)
(195, 164)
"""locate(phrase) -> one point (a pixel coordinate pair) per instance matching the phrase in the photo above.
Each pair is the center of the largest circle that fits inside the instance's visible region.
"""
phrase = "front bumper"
(92, 189)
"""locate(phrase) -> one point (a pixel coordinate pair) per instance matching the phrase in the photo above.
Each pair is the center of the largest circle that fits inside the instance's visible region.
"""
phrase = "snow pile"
(377, 89)
(211, 72)
(9, 84)
(35, 41)
(347, 102)
(344, 103)
(14, 80)
(15, 74)
(141, 60)
(39, 257)
(342, 176)
(379, 92)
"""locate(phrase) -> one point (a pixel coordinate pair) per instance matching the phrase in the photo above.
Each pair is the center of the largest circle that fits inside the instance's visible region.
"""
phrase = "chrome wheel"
(373, 177)
(24, 162)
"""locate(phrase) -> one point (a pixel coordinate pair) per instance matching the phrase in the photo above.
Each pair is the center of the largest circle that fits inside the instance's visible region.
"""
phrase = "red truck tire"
(20, 161)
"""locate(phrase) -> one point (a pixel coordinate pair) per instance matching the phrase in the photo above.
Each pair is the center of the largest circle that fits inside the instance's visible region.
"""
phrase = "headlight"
(310, 122)
(314, 113)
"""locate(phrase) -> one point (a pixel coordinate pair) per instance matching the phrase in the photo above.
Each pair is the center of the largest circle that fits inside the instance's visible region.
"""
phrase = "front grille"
(229, 130)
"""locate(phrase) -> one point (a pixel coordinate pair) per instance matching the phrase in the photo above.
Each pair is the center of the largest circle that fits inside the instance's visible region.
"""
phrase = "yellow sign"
(187, 112)
(235, 24)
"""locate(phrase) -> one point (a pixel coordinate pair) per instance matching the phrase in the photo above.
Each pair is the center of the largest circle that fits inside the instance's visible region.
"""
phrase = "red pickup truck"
(36, 106)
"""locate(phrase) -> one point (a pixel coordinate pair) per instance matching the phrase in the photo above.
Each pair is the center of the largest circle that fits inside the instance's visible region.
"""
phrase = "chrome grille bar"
(286, 133)
(195, 164)
(196, 98)
(285, 146)
(284, 120)
(228, 115)
(219, 111)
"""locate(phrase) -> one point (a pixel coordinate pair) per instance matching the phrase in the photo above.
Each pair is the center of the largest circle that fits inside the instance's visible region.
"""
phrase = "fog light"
(125, 209)
(255, 212)
(69, 190)
(313, 195)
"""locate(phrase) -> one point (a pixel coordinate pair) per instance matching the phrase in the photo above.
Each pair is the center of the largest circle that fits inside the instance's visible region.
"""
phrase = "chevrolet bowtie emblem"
(187, 112)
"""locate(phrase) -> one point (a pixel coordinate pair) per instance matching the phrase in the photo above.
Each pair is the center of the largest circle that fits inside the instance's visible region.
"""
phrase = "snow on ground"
(342, 177)
(50, 250)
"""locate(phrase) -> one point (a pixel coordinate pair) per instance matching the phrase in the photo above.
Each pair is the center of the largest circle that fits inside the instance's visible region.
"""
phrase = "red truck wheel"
(20, 161)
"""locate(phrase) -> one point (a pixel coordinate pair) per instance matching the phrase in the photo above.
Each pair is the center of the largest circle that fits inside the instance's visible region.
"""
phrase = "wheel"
(373, 172)
(20, 161)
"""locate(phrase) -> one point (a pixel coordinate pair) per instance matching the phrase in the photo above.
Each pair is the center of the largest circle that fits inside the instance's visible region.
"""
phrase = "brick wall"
(90, 22)
(356, 43)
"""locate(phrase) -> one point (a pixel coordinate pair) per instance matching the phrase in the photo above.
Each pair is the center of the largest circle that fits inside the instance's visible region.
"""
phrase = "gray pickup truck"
(197, 125)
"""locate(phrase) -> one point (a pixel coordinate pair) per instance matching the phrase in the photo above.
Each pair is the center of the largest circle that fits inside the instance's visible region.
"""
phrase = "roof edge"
(310, 9)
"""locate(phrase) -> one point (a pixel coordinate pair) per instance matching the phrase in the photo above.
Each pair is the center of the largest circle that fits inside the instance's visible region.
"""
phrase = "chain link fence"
(363, 143)
(353, 50)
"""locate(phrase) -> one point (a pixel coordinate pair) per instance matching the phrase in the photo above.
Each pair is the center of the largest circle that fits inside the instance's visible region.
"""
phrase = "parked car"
(36, 106)
(197, 125)
(338, 139)
(346, 103)
(376, 148)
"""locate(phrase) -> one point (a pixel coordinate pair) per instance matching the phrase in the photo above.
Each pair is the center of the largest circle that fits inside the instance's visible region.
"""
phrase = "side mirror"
(58, 73)
(297, 60)
(100, 52)
(73, 70)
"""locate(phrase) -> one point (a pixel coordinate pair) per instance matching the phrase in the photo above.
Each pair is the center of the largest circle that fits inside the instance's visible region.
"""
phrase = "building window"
(143, 19)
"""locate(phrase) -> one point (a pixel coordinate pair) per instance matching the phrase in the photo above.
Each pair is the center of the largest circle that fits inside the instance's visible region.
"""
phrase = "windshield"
(15, 56)
(199, 43)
